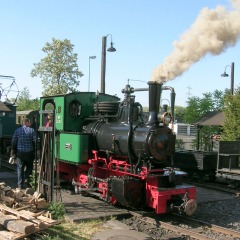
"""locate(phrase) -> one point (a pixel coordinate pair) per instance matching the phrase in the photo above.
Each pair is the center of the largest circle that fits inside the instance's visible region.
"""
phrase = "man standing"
(23, 144)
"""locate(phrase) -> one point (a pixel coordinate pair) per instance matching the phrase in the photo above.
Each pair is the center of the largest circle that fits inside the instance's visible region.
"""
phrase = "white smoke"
(213, 31)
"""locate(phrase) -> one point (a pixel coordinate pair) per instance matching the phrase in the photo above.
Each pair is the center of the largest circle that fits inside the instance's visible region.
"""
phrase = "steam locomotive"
(107, 147)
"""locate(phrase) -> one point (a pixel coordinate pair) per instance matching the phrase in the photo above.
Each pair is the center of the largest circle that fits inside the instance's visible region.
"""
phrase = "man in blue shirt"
(23, 144)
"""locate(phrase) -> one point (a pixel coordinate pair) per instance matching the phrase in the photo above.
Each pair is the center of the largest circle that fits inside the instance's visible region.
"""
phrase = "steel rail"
(211, 227)
(179, 230)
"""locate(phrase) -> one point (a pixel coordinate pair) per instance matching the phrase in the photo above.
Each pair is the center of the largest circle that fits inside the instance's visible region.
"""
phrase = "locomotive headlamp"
(166, 117)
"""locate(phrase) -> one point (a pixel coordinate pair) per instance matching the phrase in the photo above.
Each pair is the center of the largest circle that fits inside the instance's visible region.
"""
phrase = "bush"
(179, 144)
(57, 210)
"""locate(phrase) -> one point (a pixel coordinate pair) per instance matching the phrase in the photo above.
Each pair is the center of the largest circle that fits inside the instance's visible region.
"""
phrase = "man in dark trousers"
(23, 144)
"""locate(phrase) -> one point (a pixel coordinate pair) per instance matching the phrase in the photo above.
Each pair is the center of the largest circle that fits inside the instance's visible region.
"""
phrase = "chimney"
(154, 101)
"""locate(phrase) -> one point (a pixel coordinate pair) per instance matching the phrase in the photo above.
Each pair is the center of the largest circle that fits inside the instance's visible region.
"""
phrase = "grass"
(73, 231)
(66, 230)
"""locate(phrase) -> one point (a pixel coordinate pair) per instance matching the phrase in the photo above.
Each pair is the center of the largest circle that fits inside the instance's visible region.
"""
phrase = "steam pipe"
(173, 96)
(130, 133)
(140, 89)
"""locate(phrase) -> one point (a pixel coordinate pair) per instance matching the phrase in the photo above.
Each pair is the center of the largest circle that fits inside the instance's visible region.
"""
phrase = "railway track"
(6, 164)
(176, 226)
(218, 186)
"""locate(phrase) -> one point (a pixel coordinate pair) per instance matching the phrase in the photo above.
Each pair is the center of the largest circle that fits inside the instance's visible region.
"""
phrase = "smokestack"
(155, 90)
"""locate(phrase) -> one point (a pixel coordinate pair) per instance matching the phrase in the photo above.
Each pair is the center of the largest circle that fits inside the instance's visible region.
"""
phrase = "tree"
(192, 111)
(179, 113)
(218, 98)
(58, 70)
(231, 123)
(197, 107)
(25, 103)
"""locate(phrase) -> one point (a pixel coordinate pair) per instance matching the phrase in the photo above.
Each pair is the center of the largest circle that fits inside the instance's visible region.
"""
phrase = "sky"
(144, 33)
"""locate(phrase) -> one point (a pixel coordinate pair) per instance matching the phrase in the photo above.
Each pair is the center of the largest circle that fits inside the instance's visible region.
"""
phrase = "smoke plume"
(213, 32)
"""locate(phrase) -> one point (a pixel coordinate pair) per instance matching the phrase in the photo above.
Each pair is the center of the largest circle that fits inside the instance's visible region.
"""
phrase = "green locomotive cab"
(72, 111)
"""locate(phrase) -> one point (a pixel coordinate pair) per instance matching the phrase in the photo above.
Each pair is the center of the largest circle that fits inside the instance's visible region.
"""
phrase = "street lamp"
(232, 77)
(103, 65)
(90, 57)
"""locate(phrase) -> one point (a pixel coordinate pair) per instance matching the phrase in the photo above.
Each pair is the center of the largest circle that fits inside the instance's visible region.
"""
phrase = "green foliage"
(179, 144)
(25, 103)
(205, 137)
(193, 144)
(197, 107)
(58, 70)
(57, 210)
(231, 124)
(179, 113)
(218, 98)
(192, 112)
(33, 176)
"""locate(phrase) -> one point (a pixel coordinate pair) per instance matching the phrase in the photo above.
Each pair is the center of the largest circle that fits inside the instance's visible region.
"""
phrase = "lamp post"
(90, 57)
(103, 64)
(232, 77)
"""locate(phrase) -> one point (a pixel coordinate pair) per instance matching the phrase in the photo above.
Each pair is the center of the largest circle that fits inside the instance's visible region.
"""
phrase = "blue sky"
(143, 33)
